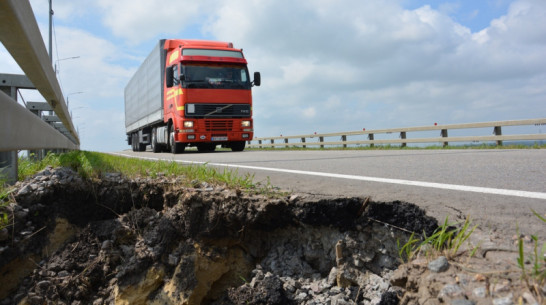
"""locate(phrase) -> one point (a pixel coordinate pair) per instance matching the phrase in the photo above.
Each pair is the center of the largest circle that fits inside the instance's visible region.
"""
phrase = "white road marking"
(454, 187)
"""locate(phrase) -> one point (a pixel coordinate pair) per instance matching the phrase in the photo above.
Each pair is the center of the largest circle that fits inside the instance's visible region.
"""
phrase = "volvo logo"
(218, 109)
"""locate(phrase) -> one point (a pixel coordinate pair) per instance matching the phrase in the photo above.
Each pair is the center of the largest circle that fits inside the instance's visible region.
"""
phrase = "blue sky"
(476, 15)
(326, 65)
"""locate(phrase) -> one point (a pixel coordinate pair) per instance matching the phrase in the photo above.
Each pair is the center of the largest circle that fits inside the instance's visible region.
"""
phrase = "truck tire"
(137, 146)
(155, 147)
(176, 148)
(133, 142)
(141, 147)
(238, 146)
(206, 147)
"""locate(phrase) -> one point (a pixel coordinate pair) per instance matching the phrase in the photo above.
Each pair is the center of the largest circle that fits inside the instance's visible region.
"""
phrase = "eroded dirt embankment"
(143, 241)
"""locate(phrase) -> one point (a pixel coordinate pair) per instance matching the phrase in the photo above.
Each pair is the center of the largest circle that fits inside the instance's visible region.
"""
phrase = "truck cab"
(208, 100)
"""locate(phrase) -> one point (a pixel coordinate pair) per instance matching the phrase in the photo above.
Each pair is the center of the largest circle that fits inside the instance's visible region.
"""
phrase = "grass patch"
(533, 276)
(446, 240)
(5, 193)
(95, 164)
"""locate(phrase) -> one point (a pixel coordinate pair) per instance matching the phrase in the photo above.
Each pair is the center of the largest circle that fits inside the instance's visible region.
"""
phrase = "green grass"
(94, 165)
(446, 240)
(5, 192)
(4, 200)
(535, 275)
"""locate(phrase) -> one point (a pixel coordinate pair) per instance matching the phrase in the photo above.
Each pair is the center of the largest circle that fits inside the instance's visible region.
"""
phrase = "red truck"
(190, 93)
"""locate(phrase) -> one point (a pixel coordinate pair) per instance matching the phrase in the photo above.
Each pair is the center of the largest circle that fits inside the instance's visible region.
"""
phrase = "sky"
(326, 65)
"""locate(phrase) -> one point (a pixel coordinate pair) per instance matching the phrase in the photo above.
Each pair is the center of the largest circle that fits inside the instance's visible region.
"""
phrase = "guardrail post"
(286, 143)
(303, 141)
(403, 137)
(260, 143)
(444, 135)
(498, 132)
(344, 139)
(272, 142)
(321, 139)
(8, 166)
(370, 137)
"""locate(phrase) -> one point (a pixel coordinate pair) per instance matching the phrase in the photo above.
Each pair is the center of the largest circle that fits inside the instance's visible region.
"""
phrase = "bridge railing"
(403, 139)
(20, 35)
(20, 129)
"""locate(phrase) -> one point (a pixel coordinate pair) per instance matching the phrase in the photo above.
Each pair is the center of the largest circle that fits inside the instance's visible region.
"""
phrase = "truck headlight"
(245, 123)
(188, 124)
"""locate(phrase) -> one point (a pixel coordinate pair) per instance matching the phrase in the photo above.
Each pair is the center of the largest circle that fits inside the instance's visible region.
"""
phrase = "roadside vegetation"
(4, 200)
(534, 275)
(446, 240)
(95, 164)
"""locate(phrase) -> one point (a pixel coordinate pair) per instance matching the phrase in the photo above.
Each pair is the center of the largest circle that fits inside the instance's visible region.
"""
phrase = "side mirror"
(169, 77)
(257, 79)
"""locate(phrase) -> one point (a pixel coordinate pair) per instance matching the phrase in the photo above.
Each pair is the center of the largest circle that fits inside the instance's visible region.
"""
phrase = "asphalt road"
(498, 189)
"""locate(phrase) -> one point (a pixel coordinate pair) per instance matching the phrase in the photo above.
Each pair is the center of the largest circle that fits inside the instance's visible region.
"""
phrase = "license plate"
(219, 138)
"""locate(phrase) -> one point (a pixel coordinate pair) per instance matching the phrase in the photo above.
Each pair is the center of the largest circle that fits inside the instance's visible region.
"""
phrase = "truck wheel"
(176, 148)
(206, 147)
(137, 146)
(155, 148)
(133, 142)
(141, 147)
(238, 146)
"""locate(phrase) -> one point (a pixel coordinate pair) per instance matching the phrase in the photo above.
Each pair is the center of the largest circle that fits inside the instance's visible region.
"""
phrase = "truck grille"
(218, 125)
(217, 111)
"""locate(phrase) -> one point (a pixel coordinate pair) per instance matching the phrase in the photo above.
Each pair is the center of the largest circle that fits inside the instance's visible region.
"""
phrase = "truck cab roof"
(191, 43)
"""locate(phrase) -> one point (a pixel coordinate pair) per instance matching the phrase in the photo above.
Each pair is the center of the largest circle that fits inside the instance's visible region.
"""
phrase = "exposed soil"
(143, 241)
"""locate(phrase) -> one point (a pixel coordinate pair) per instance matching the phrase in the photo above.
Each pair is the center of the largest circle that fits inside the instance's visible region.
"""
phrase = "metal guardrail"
(19, 127)
(20, 35)
(497, 136)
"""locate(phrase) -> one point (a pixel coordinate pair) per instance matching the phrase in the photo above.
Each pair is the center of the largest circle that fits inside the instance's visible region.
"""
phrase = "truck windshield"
(215, 77)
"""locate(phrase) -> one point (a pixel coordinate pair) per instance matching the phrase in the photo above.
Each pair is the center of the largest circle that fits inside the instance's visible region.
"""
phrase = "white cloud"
(138, 21)
(309, 112)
